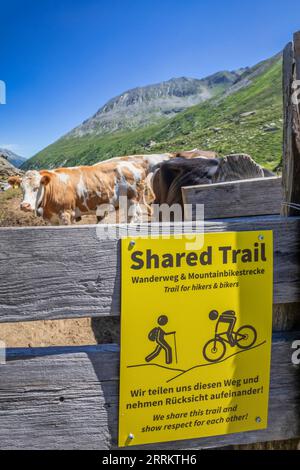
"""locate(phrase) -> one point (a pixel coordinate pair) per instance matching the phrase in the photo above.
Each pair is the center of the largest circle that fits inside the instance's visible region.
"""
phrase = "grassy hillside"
(219, 125)
(216, 124)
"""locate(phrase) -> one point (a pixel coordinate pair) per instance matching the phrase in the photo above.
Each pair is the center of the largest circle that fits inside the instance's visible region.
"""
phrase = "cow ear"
(14, 181)
(45, 180)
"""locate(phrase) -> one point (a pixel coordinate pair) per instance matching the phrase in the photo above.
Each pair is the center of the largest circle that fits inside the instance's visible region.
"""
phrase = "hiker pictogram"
(215, 349)
(158, 335)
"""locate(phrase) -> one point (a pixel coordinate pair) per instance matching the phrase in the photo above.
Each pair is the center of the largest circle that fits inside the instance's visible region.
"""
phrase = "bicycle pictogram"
(245, 337)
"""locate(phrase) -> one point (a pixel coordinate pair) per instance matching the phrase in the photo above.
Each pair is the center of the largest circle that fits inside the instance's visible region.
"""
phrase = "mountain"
(12, 157)
(228, 112)
(7, 169)
(142, 106)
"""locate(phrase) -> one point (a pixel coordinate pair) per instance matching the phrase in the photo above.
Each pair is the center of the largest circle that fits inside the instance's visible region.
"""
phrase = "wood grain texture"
(287, 159)
(259, 196)
(68, 272)
(291, 128)
(296, 108)
(67, 398)
(286, 317)
(296, 40)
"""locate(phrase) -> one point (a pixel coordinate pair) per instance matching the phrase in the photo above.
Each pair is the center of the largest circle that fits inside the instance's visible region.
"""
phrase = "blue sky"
(62, 60)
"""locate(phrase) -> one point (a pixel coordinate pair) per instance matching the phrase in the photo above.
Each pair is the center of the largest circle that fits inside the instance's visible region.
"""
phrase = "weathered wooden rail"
(59, 272)
(259, 196)
(67, 397)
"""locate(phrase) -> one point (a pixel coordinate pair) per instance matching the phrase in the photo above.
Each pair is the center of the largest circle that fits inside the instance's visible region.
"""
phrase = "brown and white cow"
(62, 195)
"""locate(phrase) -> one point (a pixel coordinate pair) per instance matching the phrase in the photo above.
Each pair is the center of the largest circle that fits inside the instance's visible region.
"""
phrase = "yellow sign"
(195, 336)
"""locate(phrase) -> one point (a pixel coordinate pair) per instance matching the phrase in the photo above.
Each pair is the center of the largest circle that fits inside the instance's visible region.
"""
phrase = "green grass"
(191, 128)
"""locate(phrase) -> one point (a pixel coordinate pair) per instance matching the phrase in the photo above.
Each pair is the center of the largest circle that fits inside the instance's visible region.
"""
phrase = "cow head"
(30, 185)
(15, 181)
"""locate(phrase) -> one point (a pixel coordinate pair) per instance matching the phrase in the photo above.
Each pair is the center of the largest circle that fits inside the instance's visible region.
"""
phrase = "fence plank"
(296, 40)
(68, 272)
(67, 398)
(291, 128)
(287, 160)
(259, 196)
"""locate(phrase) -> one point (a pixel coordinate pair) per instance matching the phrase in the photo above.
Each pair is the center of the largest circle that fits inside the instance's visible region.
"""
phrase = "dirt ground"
(73, 332)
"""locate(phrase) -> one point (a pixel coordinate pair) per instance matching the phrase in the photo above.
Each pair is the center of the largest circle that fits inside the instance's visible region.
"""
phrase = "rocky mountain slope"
(12, 157)
(7, 169)
(146, 105)
(239, 112)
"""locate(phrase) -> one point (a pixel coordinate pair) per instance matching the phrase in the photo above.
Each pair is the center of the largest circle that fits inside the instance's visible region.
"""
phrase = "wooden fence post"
(283, 314)
(291, 129)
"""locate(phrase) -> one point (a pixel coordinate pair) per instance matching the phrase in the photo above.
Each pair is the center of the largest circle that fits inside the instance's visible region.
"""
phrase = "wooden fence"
(259, 196)
(67, 397)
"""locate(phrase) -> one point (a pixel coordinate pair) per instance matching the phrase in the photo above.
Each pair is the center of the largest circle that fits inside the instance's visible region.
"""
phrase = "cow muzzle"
(26, 207)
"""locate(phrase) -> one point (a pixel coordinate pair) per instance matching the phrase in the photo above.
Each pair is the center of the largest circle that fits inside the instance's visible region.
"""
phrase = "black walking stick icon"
(175, 346)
